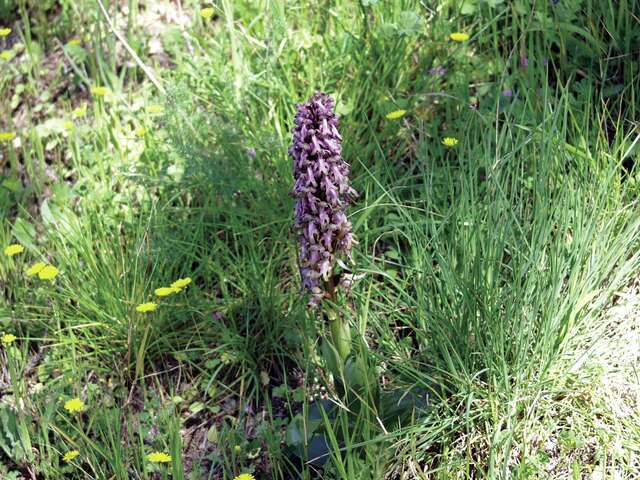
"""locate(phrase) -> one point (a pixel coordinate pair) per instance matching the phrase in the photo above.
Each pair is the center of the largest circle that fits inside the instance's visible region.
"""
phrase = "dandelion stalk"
(322, 194)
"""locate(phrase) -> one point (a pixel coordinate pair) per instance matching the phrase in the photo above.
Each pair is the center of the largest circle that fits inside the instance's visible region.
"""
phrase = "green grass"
(498, 276)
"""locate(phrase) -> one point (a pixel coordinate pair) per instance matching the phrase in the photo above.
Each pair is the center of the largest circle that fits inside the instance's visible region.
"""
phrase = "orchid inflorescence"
(322, 195)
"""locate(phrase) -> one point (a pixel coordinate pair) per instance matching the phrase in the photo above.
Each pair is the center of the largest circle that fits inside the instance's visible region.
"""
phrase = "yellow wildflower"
(75, 405)
(159, 457)
(68, 125)
(459, 37)
(206, 13)
(395, 114)
(4, 32)
(48, 272)
(245, 476)
(6, 55)
(165, 291)
(8, 338)
(74, 41)
(71, 455)
(80, 111)
(155, 108)
(141, 132)
(450, 141)
(13, 249)
(100, 91)
(146, 307)
(7, 136)
(181, 283)
(35, 269)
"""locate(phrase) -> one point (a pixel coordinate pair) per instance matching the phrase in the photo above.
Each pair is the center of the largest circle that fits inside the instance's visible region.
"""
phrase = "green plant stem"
(340, 334)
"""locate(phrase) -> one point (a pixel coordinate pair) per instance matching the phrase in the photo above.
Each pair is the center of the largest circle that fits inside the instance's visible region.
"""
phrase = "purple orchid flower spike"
(322, 194)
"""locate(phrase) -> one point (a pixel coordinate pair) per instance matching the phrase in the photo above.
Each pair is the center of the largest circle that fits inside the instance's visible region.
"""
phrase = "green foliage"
(481, 339)
(11, 437)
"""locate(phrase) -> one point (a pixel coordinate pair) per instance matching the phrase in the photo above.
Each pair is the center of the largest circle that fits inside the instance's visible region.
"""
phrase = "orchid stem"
(340, 334)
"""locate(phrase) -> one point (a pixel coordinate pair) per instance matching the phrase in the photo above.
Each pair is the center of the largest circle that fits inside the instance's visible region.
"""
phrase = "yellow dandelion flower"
(395, 114)
(450, 141)
(141, 132)
(245, 476)
(68, 125)
(165, 291)
(71, 455)
(13, 249)
(159, 457)
(35, 269)
(80, 111)
(74, 41)
(100, 91)
(4, 32)
(459, 37)
(6, 55)
(7, 136)
(206, 13)
(8, 338)
(155, 109)
(75, 405)
(181, 283)
(48, 272)
(146, 307)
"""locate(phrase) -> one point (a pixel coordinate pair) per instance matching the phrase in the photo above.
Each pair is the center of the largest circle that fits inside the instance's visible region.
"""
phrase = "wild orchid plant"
(322, 195)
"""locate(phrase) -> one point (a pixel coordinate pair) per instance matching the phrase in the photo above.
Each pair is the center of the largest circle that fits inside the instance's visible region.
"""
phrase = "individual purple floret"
(322, 194)
(439, 70)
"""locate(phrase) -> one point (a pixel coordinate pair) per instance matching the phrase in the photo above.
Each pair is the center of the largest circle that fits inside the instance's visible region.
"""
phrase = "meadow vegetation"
(152, 324)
